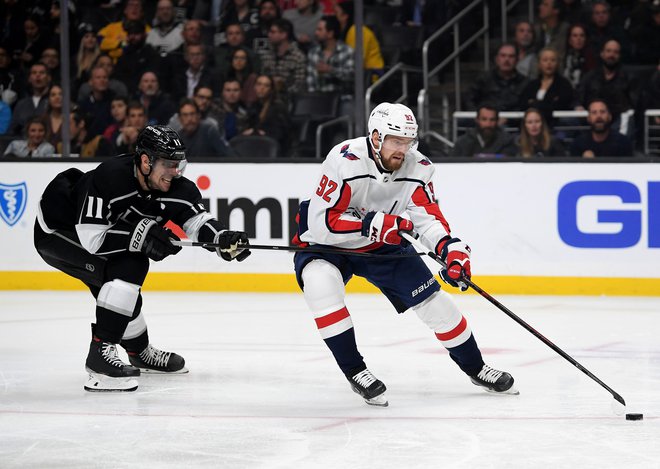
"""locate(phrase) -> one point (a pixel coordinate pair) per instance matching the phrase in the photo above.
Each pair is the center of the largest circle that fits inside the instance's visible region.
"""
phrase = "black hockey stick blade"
(415, 242)
(264, 247)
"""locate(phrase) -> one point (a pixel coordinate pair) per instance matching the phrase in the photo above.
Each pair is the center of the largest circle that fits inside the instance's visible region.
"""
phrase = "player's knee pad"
(324, 287)
(324, 293)
(441, 314)
(119, 297)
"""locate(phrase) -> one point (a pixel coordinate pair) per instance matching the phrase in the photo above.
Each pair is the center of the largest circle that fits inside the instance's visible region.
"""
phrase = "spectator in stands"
(11, 78)
(268, 115)
(609, 83)
(257, 37)
(550, 30)
(230, 112)
(527, 59)
(29, 46)
(487, 139)
(580, 57)
(135, 121)
(242, 12)
(235, 39)
(84, 143)
(602, 28)
(119, 111)
(200, 138)
(283, 60)
(99, 100)
(196, 72)
(645, 32)
(601, 139)
(53, 115)
(118, 88)
(175, 60)
(159, 106)
(5, 117)
(167, 33)
(114, 36)
(373, 59)
(551, 91)
(137, 57)
(330, 63)
(50, 57)
(536, 138)
(304, 18)
(203, 97)
(35, 143)
(242, 70)
(500, 86)
(88, 51)
(35, 103)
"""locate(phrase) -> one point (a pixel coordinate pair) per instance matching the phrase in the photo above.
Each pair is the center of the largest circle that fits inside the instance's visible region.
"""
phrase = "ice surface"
(264, 392)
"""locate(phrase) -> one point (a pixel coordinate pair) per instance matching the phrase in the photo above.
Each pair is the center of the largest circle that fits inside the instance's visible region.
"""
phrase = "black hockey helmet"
(160, 141)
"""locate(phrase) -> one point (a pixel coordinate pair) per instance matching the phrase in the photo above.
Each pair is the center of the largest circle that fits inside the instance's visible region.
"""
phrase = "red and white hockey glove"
(456, 254)
(381, 227)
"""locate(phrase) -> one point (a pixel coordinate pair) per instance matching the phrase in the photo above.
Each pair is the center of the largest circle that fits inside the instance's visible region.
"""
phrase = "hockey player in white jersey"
(369, 189)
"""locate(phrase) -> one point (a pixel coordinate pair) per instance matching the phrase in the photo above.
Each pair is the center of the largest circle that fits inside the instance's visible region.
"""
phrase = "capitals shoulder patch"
(347, 154)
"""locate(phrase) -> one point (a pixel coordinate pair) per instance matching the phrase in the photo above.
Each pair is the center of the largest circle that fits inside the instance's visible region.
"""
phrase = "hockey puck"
(634, 416)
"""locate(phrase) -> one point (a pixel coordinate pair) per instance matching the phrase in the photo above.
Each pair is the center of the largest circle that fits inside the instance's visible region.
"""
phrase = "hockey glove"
(229, 242)
(153, 240)
(456, 254)
(381, 227)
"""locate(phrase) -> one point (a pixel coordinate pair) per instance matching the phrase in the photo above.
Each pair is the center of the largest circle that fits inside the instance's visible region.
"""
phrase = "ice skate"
(106, 370)
(495, 381)
(371, 389)
(153, 360)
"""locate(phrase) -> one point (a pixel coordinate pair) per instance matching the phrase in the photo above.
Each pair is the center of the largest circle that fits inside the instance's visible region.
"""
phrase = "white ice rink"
(264, 392)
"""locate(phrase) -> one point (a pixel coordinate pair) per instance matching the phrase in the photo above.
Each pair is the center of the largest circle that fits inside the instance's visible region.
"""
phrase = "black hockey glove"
(153, 240)
(229, 242)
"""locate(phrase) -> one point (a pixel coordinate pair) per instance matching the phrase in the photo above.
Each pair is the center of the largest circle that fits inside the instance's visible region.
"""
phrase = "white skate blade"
(511, 391)
(102, 383)
(378, 401)
(149, 371)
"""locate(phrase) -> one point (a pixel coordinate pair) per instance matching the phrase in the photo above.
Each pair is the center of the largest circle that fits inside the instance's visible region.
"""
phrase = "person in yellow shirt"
(373, 59)
(113, 36)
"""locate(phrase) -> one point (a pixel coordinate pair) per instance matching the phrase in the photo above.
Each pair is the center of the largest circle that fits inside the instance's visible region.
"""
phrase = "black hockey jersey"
(103, 206)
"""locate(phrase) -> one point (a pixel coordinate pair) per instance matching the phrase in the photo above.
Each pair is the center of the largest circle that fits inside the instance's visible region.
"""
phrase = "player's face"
(393, 151)
(533, 124)
(163, 172)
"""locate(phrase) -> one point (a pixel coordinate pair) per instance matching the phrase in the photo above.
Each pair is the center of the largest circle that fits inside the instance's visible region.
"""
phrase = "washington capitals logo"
(425, 162)
(346, 154)
(13, 200)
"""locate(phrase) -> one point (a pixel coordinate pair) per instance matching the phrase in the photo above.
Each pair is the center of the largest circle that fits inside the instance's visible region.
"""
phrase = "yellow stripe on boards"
(286, 283)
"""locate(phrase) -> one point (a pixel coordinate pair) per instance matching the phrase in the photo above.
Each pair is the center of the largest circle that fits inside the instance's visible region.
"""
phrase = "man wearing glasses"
(369, 191)
(103, 226)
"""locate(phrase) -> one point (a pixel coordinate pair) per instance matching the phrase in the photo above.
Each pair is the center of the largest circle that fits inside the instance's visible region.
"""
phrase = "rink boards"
(542, 228)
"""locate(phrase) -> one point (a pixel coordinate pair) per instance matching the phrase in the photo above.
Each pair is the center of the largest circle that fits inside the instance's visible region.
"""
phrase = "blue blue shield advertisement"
(13, 199)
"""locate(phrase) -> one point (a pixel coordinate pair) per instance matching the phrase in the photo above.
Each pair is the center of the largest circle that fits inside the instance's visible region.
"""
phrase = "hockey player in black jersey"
(103, 226)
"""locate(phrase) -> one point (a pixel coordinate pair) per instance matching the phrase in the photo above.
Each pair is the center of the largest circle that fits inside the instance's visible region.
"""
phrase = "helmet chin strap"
(379, 161)
(145, 177)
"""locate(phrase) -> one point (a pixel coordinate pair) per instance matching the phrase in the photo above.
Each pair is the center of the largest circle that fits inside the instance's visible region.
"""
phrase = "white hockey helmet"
(392, 119)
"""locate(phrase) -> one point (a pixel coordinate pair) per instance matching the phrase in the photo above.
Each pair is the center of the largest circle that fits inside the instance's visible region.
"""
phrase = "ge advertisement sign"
(609, 214)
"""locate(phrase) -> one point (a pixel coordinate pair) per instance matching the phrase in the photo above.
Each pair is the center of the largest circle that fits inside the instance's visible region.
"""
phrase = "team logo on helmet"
(13, 199)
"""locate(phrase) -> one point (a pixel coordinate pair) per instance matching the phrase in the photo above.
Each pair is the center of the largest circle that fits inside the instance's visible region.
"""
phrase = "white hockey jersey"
(351, 185)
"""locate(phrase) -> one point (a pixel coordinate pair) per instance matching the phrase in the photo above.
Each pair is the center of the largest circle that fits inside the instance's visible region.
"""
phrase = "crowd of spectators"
(217, 70)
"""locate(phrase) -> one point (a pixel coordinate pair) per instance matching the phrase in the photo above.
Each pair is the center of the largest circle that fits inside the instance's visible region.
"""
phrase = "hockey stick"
(187, 243)
(415, 242)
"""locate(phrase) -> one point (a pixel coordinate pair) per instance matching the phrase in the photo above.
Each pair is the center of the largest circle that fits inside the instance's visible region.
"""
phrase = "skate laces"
(364, 378)
(488, 374)
(109, 352)
(153, 356)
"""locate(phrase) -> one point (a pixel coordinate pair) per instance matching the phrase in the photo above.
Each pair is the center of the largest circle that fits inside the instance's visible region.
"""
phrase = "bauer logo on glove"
(456, 255)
